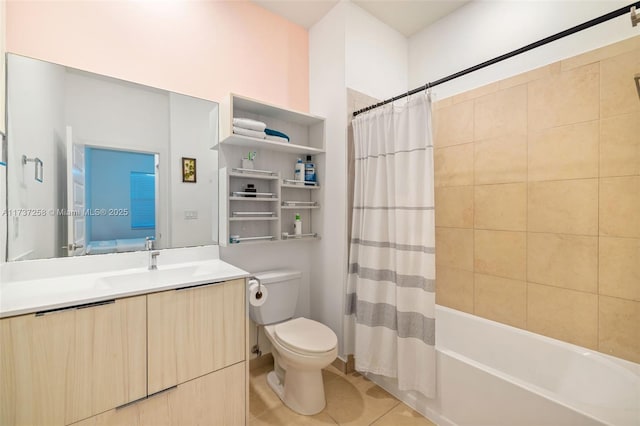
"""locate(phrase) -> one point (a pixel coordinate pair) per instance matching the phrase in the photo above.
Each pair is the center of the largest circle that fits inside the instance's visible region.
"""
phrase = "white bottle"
(297, 225)
(299, 173)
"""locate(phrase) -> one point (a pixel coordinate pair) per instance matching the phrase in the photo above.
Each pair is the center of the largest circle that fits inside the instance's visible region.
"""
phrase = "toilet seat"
(305, 336)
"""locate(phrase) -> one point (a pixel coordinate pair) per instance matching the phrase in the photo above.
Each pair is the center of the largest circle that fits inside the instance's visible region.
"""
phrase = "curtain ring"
(427, 90)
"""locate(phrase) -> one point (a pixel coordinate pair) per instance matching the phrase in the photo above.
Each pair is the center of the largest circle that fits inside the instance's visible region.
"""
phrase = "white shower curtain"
(390, 323)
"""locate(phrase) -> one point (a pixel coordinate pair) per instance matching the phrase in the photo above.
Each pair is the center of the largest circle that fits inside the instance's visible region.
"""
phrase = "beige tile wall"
(538, 200)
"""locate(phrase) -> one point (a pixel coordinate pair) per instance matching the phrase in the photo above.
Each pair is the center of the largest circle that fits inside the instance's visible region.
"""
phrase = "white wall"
(377, 56)
(191, 135)
(348, 48)
(483, 30)
(35, 91)
(328, 98)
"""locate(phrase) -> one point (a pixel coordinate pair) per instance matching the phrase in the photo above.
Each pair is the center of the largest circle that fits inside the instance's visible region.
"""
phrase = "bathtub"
(493, 374)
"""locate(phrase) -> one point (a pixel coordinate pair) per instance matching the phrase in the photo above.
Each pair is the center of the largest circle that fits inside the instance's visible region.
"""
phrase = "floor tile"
(285, 417)
(261, 397)
(352, 400)
(403, 415)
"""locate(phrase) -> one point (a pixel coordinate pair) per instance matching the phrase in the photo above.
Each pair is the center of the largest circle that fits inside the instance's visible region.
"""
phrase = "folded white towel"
(247, 123)
(247, 132)
(276, 139)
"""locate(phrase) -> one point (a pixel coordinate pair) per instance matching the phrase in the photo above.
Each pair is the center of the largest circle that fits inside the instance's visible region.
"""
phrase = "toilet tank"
(282, 298)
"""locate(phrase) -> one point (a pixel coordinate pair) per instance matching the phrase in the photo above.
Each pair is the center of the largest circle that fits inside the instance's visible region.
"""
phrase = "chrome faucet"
(153, 255)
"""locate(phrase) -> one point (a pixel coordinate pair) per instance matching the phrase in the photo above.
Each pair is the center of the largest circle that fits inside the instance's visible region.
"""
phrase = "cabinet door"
(215, 399)
(67, 365)
(194, 331)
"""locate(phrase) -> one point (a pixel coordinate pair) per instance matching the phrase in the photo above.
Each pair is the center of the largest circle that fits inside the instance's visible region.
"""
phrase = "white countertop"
(43, 294)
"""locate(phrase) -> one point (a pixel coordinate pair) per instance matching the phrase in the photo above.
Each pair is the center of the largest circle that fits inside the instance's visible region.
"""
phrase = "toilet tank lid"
(276, 275)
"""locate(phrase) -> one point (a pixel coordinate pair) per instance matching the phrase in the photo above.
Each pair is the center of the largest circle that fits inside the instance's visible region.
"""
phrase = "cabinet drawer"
(216, 399)
(194, 331)
(63, 366)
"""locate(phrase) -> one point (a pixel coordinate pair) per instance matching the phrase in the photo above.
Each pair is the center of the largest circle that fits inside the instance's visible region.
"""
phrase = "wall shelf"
(260, 176)
(249, 142)
(253, 199)
(288, 237)
(288, 185)
(306, 131)
(299, 207)
(251, 219)
(274, 171)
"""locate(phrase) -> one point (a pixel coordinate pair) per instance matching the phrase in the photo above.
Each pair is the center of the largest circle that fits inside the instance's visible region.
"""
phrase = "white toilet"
(301, 347)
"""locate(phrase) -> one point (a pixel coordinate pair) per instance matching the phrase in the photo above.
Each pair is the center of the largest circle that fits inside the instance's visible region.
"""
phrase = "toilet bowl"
(301, 347)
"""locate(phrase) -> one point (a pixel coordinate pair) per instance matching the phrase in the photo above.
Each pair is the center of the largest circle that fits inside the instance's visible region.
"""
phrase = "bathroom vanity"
(127, 346)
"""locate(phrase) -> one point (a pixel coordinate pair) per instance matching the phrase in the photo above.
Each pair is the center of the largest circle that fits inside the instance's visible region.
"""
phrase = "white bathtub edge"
(610, 359)
(529, 387)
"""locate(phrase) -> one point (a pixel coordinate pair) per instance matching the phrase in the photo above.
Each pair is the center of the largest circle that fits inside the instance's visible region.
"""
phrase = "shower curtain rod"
(562, 34)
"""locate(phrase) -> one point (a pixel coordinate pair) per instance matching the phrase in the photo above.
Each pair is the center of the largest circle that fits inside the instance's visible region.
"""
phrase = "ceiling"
(406, 16)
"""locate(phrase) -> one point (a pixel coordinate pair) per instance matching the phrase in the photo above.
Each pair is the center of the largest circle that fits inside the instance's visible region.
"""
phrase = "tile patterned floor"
(351, 400)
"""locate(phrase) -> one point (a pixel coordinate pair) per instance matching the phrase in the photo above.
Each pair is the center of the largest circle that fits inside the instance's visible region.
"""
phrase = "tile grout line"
(388, 411)
(540, 232)
(540, 181)
(473, 195)
(598, 211)
(526, 221)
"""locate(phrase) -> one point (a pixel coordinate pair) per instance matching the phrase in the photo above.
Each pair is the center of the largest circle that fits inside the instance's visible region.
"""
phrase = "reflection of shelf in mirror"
(238, 214)
(253, 176)
(253, 195)
(292, 183)
(251, 219)
(299, 207)
(247, 141)
(252, 199)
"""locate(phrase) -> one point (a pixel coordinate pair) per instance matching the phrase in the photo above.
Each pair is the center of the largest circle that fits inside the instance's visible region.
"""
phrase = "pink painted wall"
(200, 48)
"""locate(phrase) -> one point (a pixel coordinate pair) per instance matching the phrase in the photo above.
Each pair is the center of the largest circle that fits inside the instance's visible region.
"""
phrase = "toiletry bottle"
(299, 173)
(297, 225)
(309, 172)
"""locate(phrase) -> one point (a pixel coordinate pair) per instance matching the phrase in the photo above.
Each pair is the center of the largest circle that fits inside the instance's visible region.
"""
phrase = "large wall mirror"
(98, 165)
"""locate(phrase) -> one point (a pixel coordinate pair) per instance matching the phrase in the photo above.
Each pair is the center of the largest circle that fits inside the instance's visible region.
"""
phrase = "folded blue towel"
(272, 132)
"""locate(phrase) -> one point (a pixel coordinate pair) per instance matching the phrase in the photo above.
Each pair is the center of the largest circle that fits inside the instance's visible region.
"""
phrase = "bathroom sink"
(168, 275)
(41, 293)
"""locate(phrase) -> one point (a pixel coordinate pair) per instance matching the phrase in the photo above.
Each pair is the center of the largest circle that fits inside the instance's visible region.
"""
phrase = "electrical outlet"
(190, 214)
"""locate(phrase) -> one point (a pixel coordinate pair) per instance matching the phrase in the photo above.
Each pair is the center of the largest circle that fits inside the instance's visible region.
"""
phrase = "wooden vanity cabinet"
(194, 331)
(216, 399)
(175, 357)
(62, 366)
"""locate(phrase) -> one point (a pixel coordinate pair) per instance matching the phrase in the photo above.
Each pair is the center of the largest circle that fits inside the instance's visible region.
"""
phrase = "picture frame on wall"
(188, 170)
